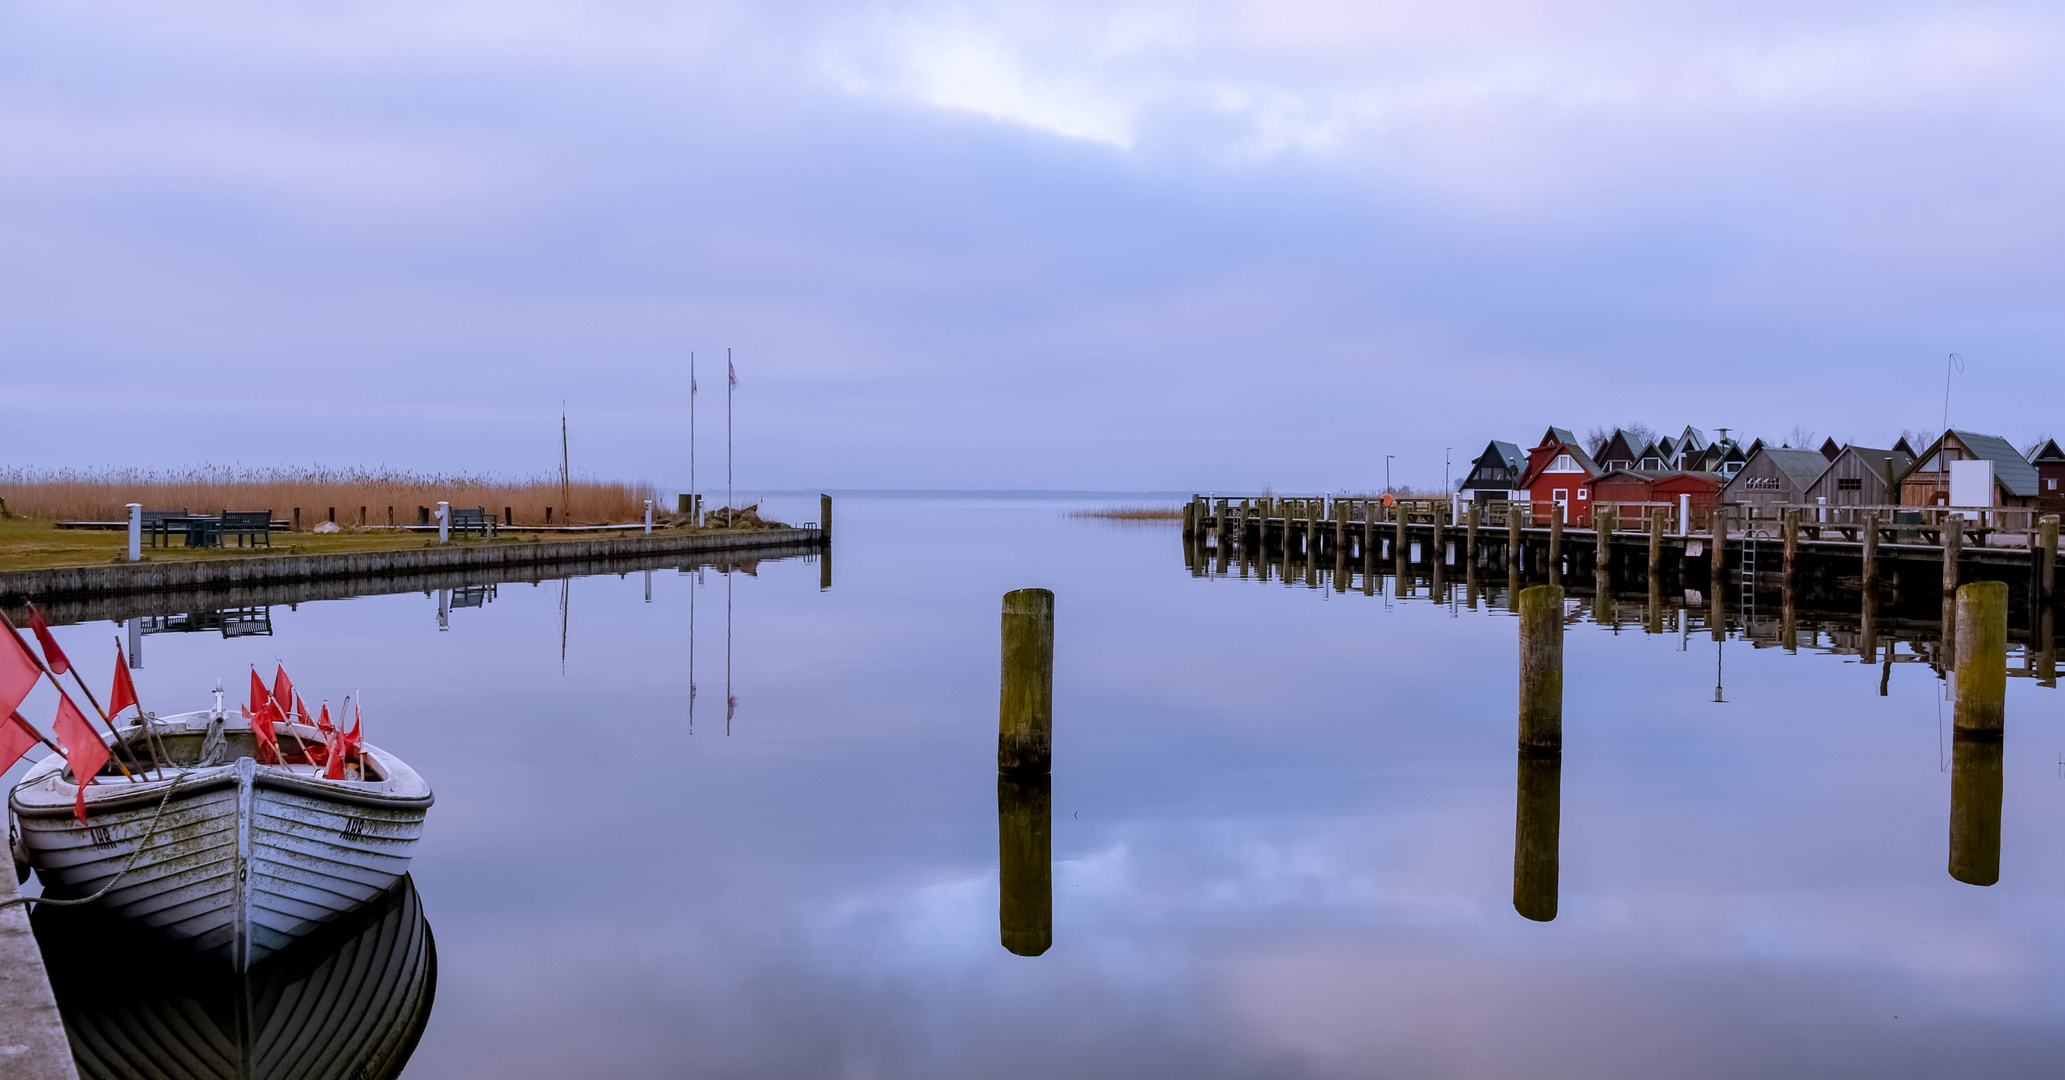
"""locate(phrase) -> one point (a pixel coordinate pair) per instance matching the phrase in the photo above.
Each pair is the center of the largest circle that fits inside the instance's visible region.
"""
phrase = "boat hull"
(245, 860)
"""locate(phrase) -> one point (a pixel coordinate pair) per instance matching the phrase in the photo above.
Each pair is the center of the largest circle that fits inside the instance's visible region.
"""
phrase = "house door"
(1562, 497)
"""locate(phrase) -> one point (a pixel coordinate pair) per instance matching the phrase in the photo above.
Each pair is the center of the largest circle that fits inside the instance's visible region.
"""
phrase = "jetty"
(32, 1034)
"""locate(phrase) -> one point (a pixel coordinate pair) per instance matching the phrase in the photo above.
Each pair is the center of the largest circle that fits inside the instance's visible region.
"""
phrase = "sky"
(1107, 246)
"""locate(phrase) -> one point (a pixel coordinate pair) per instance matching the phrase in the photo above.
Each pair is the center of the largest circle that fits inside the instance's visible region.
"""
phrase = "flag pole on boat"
(126, 687)
(49, 644)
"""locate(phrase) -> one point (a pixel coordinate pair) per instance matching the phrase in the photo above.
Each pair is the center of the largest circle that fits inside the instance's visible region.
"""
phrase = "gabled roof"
(1649, 450)
(1508, 454)
(1692, 439)
(1754, 446)
(1561, 435)
(2047, 452)
(1801, 467)
(1888, 464)
(1569, 444)
(1830, 450)
(1904, 446)
(1619, 442)
(2011, 469)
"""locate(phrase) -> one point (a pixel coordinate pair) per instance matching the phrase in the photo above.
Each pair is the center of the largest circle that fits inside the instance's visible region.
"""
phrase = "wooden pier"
(1897, 561)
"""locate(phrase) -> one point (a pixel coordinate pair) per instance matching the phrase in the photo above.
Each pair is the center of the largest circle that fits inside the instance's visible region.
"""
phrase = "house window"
(1582, 494)
(1563, 463)
(2053, 484)
(1849, 483)
(1650, 464)
(1561, 495)
(1762, 483)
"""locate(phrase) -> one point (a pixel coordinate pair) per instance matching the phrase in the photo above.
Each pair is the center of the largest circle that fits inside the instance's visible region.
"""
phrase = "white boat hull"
(246, 858)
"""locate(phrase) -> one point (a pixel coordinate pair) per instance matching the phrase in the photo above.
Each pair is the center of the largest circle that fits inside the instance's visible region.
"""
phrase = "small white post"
(444, 609)
(135, 643)
(648, 519)
(1821, 508)
(135, 532)
(1684, 514)
(444, 522)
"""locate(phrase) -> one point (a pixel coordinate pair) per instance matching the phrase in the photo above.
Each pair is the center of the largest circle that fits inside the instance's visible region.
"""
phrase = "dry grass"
(76, 495)
(1132, 513)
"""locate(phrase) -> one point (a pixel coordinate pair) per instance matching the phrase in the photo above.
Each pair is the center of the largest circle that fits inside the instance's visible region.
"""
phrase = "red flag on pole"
(16, 737)
(322, 722)
(19, 670)
(282, 691)
(343, 745)
(124, 693)
(84, 751)
(261, 720)
(53, 655)
(732, 372)
(258, 691)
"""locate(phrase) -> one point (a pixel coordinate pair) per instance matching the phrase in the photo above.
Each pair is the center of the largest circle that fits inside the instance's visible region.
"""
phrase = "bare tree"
(1596, 440)
(2029, 449)
(1920, 440)
(1639, 435)
(1801, 437)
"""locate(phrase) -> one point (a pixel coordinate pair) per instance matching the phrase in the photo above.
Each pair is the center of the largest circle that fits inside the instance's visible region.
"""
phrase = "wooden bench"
(469, 519)
(251, 525)
(161, 523)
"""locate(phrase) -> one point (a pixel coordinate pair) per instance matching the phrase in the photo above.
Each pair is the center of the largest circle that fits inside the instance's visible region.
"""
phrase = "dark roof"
(2011, 469)
(1802, 467)
(1562, 435)
(1830, 450)
(1889, 464)
(1509, 453)
(2047, 452)
(1904, 446)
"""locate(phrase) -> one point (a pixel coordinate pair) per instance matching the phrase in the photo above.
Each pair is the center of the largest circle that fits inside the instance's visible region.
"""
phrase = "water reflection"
(1025, 861)
(1538, 817)
(1975, 804)
(346, 1003)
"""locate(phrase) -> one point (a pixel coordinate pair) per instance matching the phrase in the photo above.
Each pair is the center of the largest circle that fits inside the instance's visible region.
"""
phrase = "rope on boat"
(126, 867)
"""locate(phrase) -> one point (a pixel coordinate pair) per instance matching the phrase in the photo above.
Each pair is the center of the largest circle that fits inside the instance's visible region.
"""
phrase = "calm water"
(1283, 828)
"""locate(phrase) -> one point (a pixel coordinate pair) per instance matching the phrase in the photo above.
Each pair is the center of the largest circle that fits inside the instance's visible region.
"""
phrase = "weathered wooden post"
(2047, 559)
(1790, 530)
(1656, 517)
(1541, 669)
(1471, 519)
(1717, 570)
(1513, 554)
(1225, 532)
(1190, 518)
(1538, 816)
(1556, 545)
(1982, 657)
(1438, 554)
(1975, 802)
(1871, 555)
(1400, 570)
(1025, 863)
(2046, 646)
(1953, 545)
(824, 517)
(1025, 712)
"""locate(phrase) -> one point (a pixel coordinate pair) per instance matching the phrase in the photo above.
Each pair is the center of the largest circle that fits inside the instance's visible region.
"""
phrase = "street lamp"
(1444, 467)
(1387, 472)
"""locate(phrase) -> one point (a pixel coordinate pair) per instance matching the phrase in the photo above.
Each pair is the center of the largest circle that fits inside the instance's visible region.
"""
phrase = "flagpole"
(731, 382)
(693, 507)
(159, 755)
(109, 720)
(31, 729)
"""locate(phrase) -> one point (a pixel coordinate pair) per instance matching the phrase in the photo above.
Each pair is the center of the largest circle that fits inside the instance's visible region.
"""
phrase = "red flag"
(258, 691)
(15, 740)
(84, 751)
(283, 692)
(322, 723)
(343, 745)
(301, 710)
(19, 668)
(734, 372)
(124, 693)
(51, 653)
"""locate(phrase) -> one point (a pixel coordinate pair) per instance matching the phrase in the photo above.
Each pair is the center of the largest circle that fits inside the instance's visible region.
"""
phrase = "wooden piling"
(1190, 519)
(1556, 546)
(1975, 802)
(1438, 554)
(1538, 817)
(1871, 555)
(2047, 559)
(1025, 863)
(1953, 545)
(1400, 573)
(1225, 533)
(1025, 712)
(1982, 657)
(1791, 531)
(1541, 669)
(1656, 517)
(824, 516)
(1471, 519)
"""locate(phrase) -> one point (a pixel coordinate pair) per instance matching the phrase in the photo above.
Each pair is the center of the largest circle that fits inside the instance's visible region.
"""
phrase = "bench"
(160, 523)
(254, 525)
(469, 519)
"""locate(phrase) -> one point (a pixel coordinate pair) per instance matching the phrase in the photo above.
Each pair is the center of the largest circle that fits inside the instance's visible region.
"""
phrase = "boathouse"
(1618, 453)
(1558, 471)
(1495, 475)
(1704, 487)
(2050, 476)
(1859, 476)
(1622, 486)
(1775, 476)
(1958, 458)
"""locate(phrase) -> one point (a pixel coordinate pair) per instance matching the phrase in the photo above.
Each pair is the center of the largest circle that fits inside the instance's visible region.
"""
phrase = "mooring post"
(1513, 555)
(1656, 516)
(1953, 544)
(2047, 559)
(648, 517)
(1791, 533)
(1982, 656)
(1025, 863)
(1541, 669)
(1439, 553)
(1471, 518)
(1025, 713)
(1190, 518)
(1871, 555)
(1556, 545)
(1602, 558)
(1975, 802)
(1538, 816)
(1400, 567)
(1717, 568)
(824, 517)
(1225, 533)
(135, 532)
(444, 522)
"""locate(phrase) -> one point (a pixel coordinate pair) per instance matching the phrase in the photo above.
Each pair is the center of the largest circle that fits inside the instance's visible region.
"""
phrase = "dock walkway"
(32, 1034)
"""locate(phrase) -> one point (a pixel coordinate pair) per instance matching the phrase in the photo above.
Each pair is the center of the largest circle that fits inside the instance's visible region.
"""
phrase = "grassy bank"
(320, 494)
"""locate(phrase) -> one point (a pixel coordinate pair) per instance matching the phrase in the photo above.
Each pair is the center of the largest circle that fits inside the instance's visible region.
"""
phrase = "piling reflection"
(1538, 818)
(346, 1003)
(1025, 906)
(1975, 802)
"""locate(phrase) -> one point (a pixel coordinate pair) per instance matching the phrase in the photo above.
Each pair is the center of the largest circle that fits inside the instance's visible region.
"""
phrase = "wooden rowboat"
(347, 1002)
(246, 857)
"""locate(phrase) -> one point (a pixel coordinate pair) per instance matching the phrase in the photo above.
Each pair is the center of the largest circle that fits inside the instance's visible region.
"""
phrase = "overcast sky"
(1097, 245)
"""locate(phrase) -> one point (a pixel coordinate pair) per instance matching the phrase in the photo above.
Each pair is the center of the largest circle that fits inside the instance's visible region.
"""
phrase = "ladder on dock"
(1749, 577)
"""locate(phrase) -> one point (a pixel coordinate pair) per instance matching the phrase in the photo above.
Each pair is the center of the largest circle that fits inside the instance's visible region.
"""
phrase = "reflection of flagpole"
(731, 382)
(731, 703)
(695, 579)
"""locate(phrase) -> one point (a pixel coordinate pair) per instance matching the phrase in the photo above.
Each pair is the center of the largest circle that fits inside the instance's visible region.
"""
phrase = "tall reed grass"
(1132, 513)
(99, 495)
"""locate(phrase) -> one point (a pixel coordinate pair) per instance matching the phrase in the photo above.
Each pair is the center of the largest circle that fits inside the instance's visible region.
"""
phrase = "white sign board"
(1971, 483)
